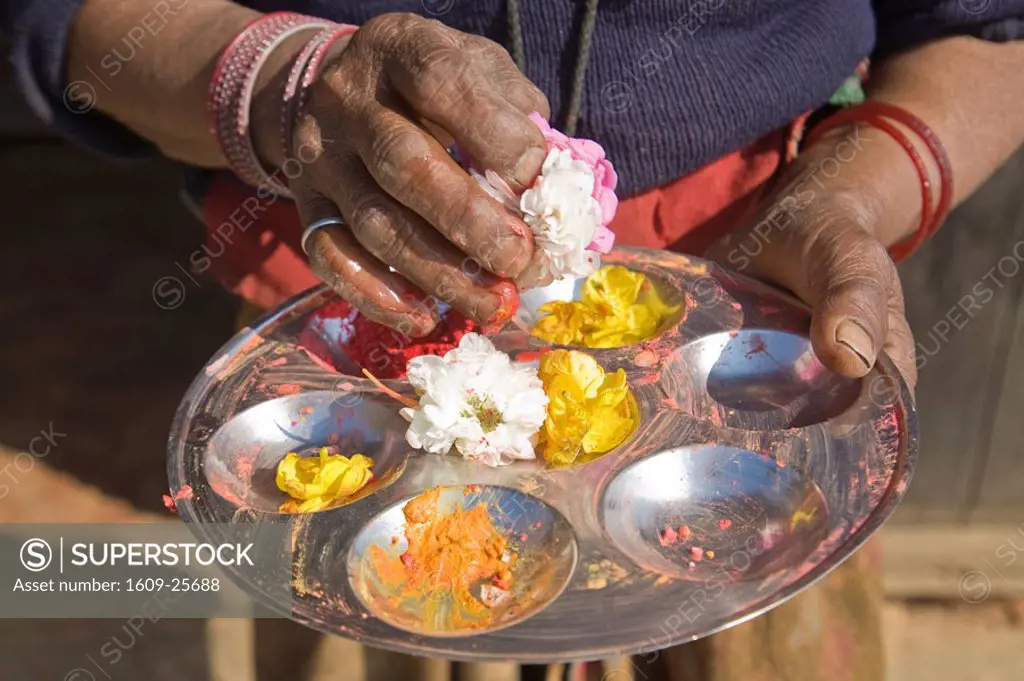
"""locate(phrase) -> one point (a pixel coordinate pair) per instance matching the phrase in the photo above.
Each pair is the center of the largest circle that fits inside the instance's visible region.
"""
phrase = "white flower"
(497, 188)
(564, 215)
(476, 399)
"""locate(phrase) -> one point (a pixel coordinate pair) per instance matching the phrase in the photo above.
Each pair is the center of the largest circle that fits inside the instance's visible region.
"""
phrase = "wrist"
(268, 100)
(832, 176)
(254, 64)
(890, 164)
(272, 128)
(863, 165)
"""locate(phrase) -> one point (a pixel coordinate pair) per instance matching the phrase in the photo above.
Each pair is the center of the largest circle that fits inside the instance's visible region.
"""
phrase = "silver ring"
(318, 224)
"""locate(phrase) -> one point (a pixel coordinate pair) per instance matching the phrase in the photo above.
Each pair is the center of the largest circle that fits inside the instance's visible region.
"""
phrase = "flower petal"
(588, 410)
(607, 431)
(480, 403)
(588, 151)
(321, 480)
(604, 240)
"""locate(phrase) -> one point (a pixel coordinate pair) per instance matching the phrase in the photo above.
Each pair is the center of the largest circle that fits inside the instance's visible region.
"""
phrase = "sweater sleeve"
(904, 23)
(37, 31)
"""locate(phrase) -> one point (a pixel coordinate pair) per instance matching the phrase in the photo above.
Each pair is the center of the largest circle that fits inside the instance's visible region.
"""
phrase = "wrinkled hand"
(379, 121)
(816, 240)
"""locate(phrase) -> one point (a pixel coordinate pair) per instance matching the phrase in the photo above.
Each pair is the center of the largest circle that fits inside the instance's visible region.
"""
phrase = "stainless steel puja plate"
(777, 468)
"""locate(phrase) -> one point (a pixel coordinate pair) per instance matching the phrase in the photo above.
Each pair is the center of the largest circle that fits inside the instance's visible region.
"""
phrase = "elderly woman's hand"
(816, 236)
(378, 124)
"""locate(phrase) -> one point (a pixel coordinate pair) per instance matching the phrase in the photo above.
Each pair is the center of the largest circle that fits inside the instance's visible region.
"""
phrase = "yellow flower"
(613, 289)
(563, 324)
(589, 412)
(317, 482)
(618, 307)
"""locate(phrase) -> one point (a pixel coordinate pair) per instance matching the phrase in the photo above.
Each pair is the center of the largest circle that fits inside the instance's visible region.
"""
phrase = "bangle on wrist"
(232, 87)
(881, 115)
(301, 76)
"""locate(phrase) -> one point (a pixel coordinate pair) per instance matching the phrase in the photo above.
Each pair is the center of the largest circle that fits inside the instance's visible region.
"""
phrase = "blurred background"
(86, 353)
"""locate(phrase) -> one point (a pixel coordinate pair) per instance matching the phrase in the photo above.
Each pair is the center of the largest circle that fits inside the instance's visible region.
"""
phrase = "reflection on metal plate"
(754, 472)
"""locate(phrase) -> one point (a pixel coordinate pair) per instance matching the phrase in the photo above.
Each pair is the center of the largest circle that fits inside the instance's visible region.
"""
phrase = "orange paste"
(454, 557)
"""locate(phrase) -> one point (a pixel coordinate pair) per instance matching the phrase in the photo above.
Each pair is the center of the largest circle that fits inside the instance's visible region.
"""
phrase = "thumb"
(843, 272)
(849, 282)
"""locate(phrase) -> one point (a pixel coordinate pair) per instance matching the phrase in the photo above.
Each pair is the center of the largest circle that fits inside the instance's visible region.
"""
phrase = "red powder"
(383, 351)
(184, 493)
(245, 463)
(684, 532)
(523, 537)
(756, 346)
(318, 360)
(724, 524)
(508, 294)
(216, 365)
(668, 537)
(249, 346)
(287, 388)
(696, 553)
(646, 358)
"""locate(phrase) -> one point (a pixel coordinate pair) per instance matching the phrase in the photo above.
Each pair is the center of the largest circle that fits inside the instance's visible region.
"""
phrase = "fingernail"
(853, 336)
(425, 316)
(501, 305)
(423, 324)
(532, 276)
(528, 166)
(521, 230)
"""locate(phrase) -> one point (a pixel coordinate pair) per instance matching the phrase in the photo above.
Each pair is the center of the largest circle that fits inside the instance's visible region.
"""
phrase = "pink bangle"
(231, 90)
(308, 74)
(265, 180)
(291, 87)
(288, 109)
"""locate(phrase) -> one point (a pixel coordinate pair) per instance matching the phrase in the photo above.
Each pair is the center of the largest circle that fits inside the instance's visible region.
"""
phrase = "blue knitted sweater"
(670, 84)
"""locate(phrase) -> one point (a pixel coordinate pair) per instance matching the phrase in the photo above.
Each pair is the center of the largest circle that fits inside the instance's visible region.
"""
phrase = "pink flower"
(570, 204)
(603, 241)
(605, 179)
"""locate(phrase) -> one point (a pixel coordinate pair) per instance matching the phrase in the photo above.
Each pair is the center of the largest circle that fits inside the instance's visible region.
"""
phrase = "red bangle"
(852, 115)
(875, 114)
(934, 145)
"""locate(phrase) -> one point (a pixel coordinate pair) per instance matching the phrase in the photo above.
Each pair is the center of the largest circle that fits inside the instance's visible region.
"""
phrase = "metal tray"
(779, 467)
